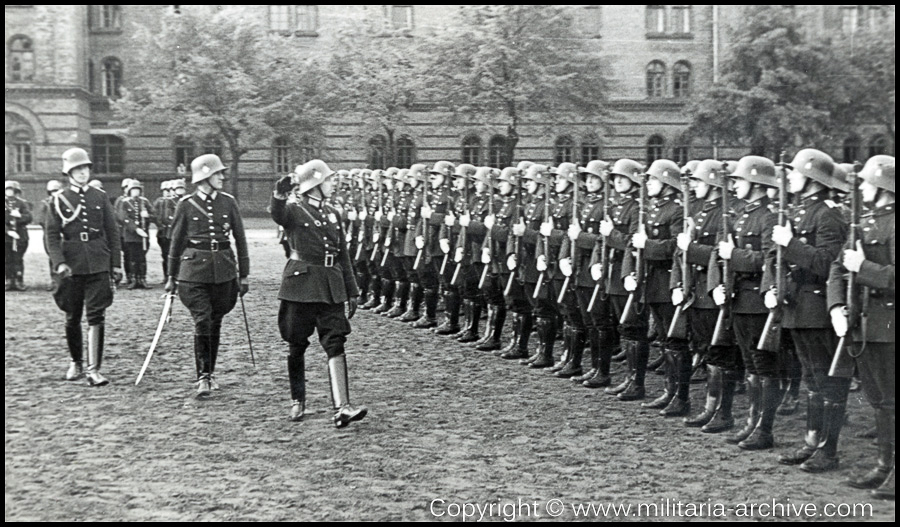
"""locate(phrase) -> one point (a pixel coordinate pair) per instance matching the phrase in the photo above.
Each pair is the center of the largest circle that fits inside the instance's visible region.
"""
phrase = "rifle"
(574, 245)
(678, 327)
(462, 239)
(545, 240)
(843, 363)
(490, 237)
(395, 198)
(723, 321)
(376, 229)
(425, 229)
(512, 272)
(362, 224)
(603, 282)
(628, 313)
(770, 340)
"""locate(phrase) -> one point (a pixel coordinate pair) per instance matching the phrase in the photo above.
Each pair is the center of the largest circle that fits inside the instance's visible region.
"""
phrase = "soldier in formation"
(18, 216)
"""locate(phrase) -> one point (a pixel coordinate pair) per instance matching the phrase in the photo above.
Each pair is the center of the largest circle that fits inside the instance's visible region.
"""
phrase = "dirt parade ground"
(450, 431)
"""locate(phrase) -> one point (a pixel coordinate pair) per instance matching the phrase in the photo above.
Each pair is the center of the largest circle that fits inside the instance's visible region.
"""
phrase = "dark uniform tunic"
(15, 249)
(533, 215)
(134, 245)
(165, 214)
(479, 241)
(429, 268)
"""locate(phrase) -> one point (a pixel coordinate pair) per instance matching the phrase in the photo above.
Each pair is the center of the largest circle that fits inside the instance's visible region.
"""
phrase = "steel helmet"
(402, 175)
(756, 169)
(74, 158)
(10, 184)
(487, 175)
(815, 165)
(133, 183)
(713, 173)
(417, 172)
(595, 168)
(96, 183)
(126, 182)
(53, 185)
(879, 171)
(391, 173)
(179, 183)
(841, 176)
(203, 167)
(537, 172)
(466, 171)
(523, 166)
(666, 171)
(510, 175)
(310, 175)
(690, 167)
(628, 168)
(568, 171)
(444, 168)
(375, 176)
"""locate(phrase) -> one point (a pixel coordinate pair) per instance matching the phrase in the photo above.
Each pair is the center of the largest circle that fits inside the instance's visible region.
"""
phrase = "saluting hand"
(352, 304)
(284, 186)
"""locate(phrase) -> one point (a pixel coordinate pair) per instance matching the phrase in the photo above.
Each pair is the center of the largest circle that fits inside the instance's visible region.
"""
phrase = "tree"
(226, 76)
(778, 87)
(523, 62)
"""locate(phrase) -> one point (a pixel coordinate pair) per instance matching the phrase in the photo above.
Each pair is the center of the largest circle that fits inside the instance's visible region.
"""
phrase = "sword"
(163, 319)
(247, 326)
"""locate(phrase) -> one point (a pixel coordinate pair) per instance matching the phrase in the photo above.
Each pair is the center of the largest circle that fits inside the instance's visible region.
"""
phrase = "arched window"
(564, 150)
(681, 154)
(681, 80)
(471, 150)
(111, 77)
(281, 155)
(21, 60)
(184, 151)
(655, 146)
(497, 157)
(852, 149)
(656, 79)
(878, 146)
(108, 154)
(405, 152)
(377, 148)
(19, 145)
(590, 149)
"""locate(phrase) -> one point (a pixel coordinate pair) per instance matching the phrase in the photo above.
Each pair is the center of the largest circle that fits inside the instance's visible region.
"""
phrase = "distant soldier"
(317, 282)
(136, 214)
(18, 216)
(45, 208)
(416, 181)
(449, 238)
(439, 198)
(129, 272)
(388, 266)
(202, 265)
(393, 243)
(83, 242)
(164, 207)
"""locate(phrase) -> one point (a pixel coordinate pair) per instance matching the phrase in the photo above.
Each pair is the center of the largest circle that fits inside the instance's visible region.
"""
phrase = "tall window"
(112, 77)
(681, 19)
(875, 17)
(105, 17)
(90, 73)
(281, 155)
(19, 145)
(681, 155)
(852, 149)
(108, 154)
(280, 17)
(878, 146)
(377, 148)
(564, 150)
(681, 80)
(405, 152)
(184, 151)
(400, 16)
(471, 150)
(656, 19)
(655, 147)
(306, 149)
(307, 18)
(590, 150)
(850, 17)
(497, 157)
(21, 60)
(656, 79)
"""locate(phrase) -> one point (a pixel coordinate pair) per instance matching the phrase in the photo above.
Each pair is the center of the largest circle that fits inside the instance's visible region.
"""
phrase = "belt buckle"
(84, 236)
(213, 245)
(329, 260)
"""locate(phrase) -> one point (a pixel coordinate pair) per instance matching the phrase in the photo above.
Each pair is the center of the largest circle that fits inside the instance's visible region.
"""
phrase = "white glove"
(427, 212)
(13, 234)
(782, 235)
(677, 296)
(391, 215)
(363, 214)
(489, 221)
(546, 228)
(449, 219)
(771, 299)
(606, 227)
(839, 321)
(445, 245)
(511, 262)
(726, 248)
(376, 236)
(853, 260)
(420, 242)
(519, 228)
(349, 236)
(485, 255)
(378, 215)
(387, 241)
(145, 214)
(639, 240)
(683, 241)
(541, 263)
(465, 220)
(15, 213)
(458, 255)
(597, 272)
(718, 295)
(351, 215)
(141, 232)
(565, 265)
(630, 283)
(574, 231)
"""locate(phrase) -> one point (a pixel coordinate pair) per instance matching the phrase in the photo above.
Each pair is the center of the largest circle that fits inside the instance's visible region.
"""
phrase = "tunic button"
(797, 219)
(296, 273)
(802, 212)
(746, 215)
(872, 221)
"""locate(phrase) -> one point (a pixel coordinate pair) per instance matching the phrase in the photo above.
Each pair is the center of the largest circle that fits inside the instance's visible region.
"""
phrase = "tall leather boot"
(573, 367)
(387, 297)
(641, 354)
(546, 330)
(602, 379)
(416, 293)
(567, 349)
(593, 340)
(340, 393)
(489, 325)
(754, 395)
(363, 280)
(825, 457)
(511, 346)
(522, 328)
(474, 334)
(815, 420)
(214, 355)
(713, 398)
(723, 419)
(202, 359)
(537, 351)
(144, 284)
(886, 490)
(771, 392)
(131, 282)
(75, 343)
(628, 349)
(429, 319)
(495, 331)
(297, 379)
(680, 405)
(450, 326)
(466, 327)
(95, 356)
(791, 400)
(402, 297)
(884, 424)
(375, 298)
(671, 382)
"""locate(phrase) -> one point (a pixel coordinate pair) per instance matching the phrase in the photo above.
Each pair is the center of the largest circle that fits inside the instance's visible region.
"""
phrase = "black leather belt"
(83, 236)
(328, 261)
(211, 245)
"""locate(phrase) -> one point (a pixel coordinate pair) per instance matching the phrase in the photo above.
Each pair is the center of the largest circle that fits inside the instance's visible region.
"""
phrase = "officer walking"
(83, 242)
(202, 265)
(18, 216)
(318, 280)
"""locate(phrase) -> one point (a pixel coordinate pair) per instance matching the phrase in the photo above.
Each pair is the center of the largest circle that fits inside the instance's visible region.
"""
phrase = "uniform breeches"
(208, 303)
(15, 252)
(569, 307)
(517, 300)
(663, 313)
(428, 273)
(137, 255)
(637, 328)
(876, 372)
(412, 276)
(164, 247)
(747, 331)
(393, 269)
(298, 320)
(492, 289)
(815, 349)
(543, 306)
(75, 295)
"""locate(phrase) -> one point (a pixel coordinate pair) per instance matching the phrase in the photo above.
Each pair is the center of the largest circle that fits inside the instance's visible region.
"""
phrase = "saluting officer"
(202, 265)
(83, 242)
(318, 280)
(18, 216)
(873, 262)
